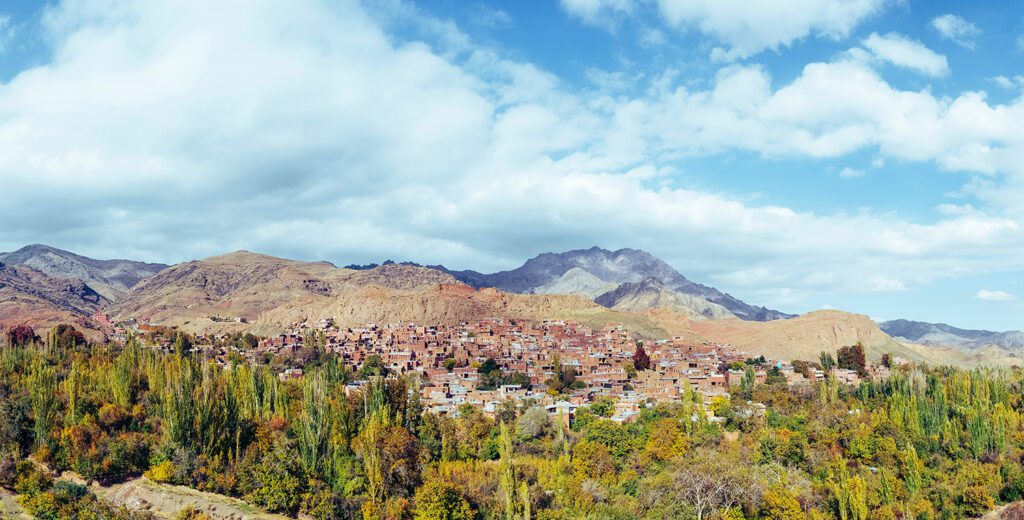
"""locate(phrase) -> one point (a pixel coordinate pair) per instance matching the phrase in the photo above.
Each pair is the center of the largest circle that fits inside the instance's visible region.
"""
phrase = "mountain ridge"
(651, 293)
(941, 334)
(111, 278)
(624, 265)
(39, 300)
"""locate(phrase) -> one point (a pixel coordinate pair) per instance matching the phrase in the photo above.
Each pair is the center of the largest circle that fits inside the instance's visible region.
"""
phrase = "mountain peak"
(547, 272)
(110, 278)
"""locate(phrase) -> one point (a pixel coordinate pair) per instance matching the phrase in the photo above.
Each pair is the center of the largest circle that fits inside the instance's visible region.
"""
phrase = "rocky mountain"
(110, 278)
(264, 294)
(651, 294)
(940, 334)
(576, 281)
(566, 273)
(245, 285)
(31, 297)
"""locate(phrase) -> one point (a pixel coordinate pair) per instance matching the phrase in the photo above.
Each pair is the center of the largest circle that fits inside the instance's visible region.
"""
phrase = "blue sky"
(866, 155)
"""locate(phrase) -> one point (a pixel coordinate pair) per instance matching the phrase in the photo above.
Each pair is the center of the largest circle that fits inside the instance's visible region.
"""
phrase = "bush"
(779, 504)
(163, 472)
(976, 501)
(192, 513)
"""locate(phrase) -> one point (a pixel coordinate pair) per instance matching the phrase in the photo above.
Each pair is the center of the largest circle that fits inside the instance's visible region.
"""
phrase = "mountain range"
(110, 278)
(42, 286)
(940, 334)
(599, 274)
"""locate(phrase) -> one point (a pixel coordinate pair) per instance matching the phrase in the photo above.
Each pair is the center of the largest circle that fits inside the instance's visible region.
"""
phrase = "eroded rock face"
(36, 299)
(652, 294)
(110, 278)
(595, 271)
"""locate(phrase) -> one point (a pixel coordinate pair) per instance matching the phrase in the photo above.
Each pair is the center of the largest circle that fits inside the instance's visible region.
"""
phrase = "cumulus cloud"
(904, 52)
(176, 130)
(955, 28)
(743, 28)
(748, 27)
(995, 296)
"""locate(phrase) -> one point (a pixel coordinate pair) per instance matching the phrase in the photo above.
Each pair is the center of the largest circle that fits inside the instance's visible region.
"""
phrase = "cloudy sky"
(866, 155)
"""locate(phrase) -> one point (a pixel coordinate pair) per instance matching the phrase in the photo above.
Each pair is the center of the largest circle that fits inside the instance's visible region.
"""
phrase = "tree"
(371, 441)
(182, 344)
(852, 358)
(440, 500)
(708, 484)
(977, 501)
(21, 335)
(42, 387)
(513, 496)
(64, 337)
(373, 366)
(779, 504)
(534, 424)
(313, 428)
(827, 361)
(641, 361)
(507, 475)
(275, 483)
(666, 440)
(747, 382)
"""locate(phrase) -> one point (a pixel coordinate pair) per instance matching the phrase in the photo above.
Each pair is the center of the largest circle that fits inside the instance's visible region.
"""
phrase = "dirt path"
(165, 501)
(9, 509)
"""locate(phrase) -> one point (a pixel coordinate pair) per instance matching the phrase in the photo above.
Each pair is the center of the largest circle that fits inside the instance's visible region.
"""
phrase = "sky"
(866, 155)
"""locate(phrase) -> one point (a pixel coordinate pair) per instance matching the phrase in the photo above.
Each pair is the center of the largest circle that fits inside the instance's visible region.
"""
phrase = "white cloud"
(747, 27)
(601, 13)
(174, 130)
(1008, 82)
(887, 285)
(7, 33)
(651, 37)
(995, 296)
(742, 27)
(955, 28)
(851, 173)
(904, 52)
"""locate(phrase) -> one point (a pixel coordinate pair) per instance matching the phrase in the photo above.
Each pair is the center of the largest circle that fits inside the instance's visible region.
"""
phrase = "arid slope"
(30, 297)
(806, 336)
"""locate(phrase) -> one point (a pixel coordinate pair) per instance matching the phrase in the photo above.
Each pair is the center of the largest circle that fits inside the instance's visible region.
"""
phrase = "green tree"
(440, 500)
(42, 387)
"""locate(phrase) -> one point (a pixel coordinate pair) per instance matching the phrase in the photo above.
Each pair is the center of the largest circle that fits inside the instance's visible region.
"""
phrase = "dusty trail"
(166, 500)
(9, 509)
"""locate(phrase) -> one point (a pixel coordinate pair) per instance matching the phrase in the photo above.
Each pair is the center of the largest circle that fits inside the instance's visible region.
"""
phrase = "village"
(452, 362)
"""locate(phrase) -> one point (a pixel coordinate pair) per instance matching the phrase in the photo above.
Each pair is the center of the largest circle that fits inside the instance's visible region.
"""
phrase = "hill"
(34, 298)
(806, 336)
(940, 334)
(587, 271)
(271, 293)
(651, 294)
(110, 278)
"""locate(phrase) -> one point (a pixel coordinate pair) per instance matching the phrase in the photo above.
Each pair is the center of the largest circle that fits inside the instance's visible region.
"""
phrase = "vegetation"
(928, 443)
